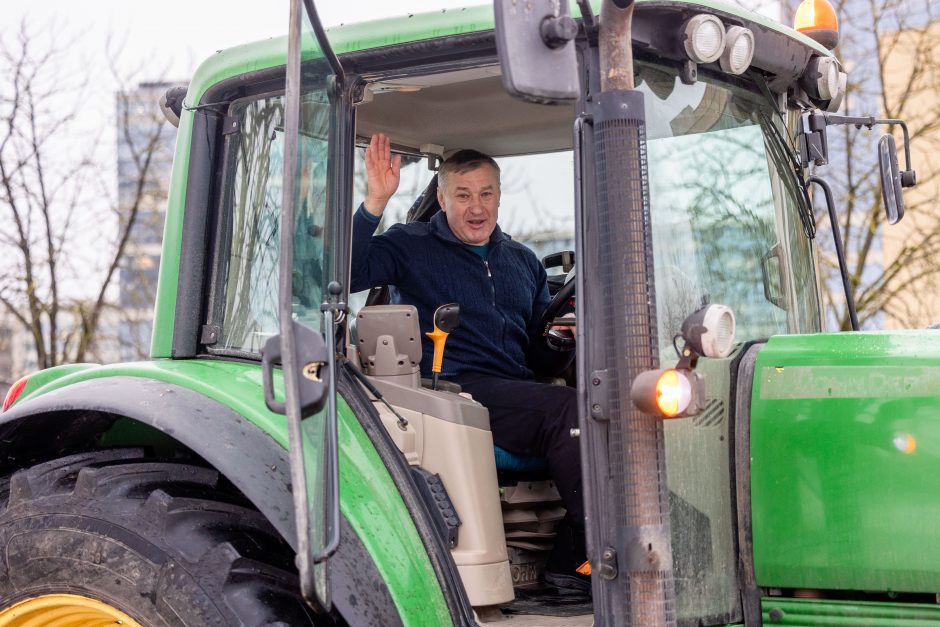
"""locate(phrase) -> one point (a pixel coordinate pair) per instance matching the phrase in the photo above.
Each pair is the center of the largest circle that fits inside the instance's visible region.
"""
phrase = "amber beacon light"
(817, 20)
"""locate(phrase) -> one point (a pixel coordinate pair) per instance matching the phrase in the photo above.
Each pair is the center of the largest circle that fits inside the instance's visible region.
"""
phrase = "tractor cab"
(728, 224)
(720, 216)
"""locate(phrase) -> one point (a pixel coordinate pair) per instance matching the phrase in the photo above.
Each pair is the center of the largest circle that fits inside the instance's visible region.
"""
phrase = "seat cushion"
(517, 463)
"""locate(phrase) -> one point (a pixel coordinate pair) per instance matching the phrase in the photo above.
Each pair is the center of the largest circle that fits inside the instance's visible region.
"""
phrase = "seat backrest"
(425, 205)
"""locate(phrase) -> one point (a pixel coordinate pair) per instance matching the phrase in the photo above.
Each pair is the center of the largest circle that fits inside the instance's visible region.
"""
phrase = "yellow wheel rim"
(64, 610)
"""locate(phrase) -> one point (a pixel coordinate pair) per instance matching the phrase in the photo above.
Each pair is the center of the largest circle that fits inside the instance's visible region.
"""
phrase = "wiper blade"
(783, 153)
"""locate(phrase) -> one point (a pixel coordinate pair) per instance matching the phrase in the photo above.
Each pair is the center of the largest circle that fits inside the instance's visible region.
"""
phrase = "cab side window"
(247, 277)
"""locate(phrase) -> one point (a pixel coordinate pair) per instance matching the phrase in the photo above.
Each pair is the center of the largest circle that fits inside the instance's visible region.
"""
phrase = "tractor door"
(317, 127)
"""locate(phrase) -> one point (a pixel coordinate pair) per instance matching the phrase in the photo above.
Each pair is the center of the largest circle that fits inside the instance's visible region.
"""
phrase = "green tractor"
(279, 461)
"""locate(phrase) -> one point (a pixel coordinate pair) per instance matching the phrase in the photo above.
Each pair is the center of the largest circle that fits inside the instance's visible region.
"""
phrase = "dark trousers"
(535, 420)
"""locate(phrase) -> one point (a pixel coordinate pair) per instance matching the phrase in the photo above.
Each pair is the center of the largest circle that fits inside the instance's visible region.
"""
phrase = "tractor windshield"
(725, 212)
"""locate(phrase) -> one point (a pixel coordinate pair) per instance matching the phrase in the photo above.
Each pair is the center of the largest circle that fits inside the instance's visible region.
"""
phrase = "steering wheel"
(555, 340)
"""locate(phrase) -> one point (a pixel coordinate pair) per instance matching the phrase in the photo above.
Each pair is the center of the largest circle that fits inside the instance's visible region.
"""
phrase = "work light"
(669, 393)
(821, 78)
(680, 391)
(709, 331)
(738, 51)
(704, 37)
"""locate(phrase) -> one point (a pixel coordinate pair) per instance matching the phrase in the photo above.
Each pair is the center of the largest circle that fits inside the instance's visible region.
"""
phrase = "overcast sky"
(168, 39)
(174, 36)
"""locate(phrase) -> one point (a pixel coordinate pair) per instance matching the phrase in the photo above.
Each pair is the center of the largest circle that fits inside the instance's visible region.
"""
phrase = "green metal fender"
(214, 408)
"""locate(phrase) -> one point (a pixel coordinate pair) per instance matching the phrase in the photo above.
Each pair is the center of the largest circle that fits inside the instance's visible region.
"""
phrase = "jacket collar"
(441, 229)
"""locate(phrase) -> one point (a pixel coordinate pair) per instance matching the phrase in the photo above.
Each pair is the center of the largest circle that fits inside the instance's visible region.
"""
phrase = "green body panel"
(845, 462)
(344, 39)
(809, 612)
(369, 499)
(39, 379)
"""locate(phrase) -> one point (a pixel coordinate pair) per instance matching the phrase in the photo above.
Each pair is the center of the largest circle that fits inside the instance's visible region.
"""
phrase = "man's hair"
(464, 161)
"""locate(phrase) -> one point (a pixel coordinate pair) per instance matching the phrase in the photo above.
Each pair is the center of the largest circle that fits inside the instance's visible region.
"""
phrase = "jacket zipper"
(490, 275)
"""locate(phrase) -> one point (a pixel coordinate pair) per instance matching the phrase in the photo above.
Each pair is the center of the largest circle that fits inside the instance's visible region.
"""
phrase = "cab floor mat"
(548, 602)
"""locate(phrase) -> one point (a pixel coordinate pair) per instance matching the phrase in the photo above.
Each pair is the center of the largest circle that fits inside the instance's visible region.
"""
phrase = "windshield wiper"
(783, 153)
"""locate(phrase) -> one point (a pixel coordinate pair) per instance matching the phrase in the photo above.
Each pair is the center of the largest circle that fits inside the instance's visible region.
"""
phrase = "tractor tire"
(166, 543)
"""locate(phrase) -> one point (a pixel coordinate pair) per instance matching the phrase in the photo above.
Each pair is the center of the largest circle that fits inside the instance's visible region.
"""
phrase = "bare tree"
(64, 235)
(892, 51)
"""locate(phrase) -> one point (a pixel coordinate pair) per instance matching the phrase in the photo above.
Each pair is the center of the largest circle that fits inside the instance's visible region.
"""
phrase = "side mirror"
(890, 179)
(171, 104)
(536, 50)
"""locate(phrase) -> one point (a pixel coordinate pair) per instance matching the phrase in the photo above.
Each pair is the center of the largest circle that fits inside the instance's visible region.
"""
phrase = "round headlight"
(704, 38)
(739, 50)
(673, 393)
(668, 393)
(823, 80)
(709, 331)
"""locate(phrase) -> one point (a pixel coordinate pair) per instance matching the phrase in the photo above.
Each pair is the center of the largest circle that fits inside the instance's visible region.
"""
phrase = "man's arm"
(374, 261)
(383, 173)
(542, 359)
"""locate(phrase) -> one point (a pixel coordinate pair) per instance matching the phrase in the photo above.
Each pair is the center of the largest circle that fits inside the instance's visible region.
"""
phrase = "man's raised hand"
(384, 174)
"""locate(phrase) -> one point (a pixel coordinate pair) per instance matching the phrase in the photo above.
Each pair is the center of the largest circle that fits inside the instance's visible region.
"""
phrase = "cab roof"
(413, 27)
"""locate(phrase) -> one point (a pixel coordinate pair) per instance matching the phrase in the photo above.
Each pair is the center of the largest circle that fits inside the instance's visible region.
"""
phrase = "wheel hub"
(65, 610)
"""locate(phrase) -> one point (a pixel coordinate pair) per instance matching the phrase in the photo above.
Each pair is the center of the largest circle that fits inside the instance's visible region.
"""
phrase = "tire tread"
(223, 563)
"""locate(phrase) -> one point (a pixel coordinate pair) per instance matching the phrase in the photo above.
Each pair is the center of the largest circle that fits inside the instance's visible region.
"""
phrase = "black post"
(840, 250)
(634, 550)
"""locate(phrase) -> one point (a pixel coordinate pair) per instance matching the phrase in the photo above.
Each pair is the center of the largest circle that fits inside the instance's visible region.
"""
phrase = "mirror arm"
(908, 177)
(840, 250)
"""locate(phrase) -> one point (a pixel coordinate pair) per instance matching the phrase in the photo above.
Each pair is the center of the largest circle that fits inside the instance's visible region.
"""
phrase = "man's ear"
(440, 200)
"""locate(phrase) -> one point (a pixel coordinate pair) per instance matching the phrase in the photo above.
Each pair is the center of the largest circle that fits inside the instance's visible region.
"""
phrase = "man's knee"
(562, 401)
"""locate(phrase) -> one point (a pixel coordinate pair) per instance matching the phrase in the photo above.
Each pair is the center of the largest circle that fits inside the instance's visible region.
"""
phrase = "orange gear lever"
(446, 319)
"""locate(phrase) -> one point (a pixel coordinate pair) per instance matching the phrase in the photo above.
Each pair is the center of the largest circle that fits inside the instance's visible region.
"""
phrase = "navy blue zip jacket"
(501, 298)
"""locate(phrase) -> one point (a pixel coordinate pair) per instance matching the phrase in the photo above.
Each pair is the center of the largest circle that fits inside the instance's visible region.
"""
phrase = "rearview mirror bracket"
(814, 148)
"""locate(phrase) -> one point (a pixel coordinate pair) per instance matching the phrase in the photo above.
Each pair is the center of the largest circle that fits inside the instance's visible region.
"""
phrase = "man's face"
(471, 203)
